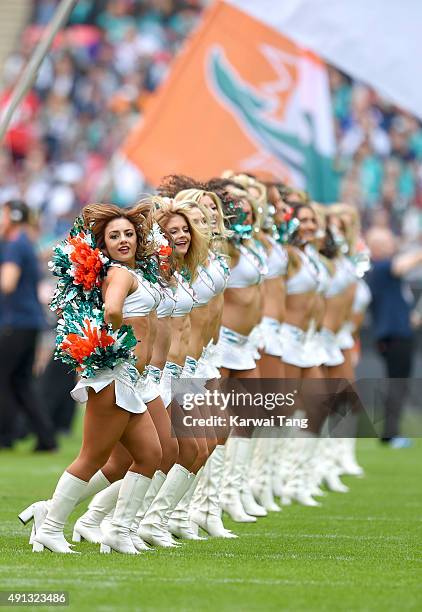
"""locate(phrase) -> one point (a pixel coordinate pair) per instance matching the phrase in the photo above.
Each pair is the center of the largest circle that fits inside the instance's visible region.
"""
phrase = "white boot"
(205, 507)
(305, 476)
(330, 469)
(262, 463)
(347, 458)
(179, 524)
(38, 511)
(282, 469)
(96, 484)
(152, 528)
(88, 526)
(132, 492)
(50, 535)
(156, 483)
(236, 460)
(248, 501)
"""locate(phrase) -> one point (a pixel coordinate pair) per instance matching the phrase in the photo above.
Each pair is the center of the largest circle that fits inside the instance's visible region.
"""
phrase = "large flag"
(377, 41)
(241, 96)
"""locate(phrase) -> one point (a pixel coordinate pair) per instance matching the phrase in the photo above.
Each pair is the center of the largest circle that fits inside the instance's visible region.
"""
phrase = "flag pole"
(28, 75)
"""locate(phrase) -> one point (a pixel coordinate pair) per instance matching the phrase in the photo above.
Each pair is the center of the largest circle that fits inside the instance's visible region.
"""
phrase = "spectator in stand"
(21, 320)
(391, 308)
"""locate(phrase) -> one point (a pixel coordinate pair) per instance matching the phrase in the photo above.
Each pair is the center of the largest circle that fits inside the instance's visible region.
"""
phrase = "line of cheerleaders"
(258, 283)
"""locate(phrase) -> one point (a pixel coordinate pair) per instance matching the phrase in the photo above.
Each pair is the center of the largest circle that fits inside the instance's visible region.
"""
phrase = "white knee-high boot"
(205, 509)
(347, 458)
(305, 477)
(38, 510)
(156, 483)
(330, 468)
(237, 455)
(152, 528)
(179, 523)
(248, 501)
(281, 465)
(131, 493)
(87, 527)
(262, 463)
(66, 495)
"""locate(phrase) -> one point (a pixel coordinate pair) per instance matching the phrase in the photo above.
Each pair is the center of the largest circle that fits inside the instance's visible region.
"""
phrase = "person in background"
(21, 320)
(391, 308)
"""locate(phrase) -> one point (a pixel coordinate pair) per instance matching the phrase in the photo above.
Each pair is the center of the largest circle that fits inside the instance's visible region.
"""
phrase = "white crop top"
(324, 276)
(143, 300)
(306, 279)
(277, 260)
(343, 277)
(167, 303)
(249, 270)
(362, 297)
(185, 297)
(219, 272)
(203, 287)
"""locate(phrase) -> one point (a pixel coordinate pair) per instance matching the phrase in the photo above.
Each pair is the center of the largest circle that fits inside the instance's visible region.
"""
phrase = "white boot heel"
(37, 547)
(77, 537)
(105, 549)
(26, 515)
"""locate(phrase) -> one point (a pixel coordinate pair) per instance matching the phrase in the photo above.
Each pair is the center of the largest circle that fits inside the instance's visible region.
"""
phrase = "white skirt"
(126, 379)
(256, 341)
(334, 356)
(295, 349)
(171, 370)
(272, 344)
(235, 351)
(344, 336)
(148, 388)
(206, 368)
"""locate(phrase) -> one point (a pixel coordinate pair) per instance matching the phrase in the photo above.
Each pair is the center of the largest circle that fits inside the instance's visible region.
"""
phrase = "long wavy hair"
(98, 216)
(195, 195)
(165, 208)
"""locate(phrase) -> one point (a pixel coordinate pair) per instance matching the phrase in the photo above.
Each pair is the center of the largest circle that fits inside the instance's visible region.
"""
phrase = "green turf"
(359, 551)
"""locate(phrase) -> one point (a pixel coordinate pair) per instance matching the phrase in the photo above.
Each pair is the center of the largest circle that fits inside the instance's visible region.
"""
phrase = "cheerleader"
(210, 283)
(265, 461)
(191, 252)
(91, 525)
(115, 410)
(241, 314)
(344, 224)
(205, 509)
(300, 361)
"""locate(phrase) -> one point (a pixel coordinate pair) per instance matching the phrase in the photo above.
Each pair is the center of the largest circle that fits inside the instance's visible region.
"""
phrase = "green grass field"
(359, 551)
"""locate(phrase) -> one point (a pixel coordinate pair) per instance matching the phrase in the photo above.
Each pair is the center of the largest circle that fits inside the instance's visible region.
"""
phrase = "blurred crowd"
(379, 159)
(96, 81)
(91, 87)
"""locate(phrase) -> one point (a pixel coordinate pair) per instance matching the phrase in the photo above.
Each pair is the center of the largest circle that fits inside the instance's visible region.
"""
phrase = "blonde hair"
(195, 195)
(350, 218)
(163, 210)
